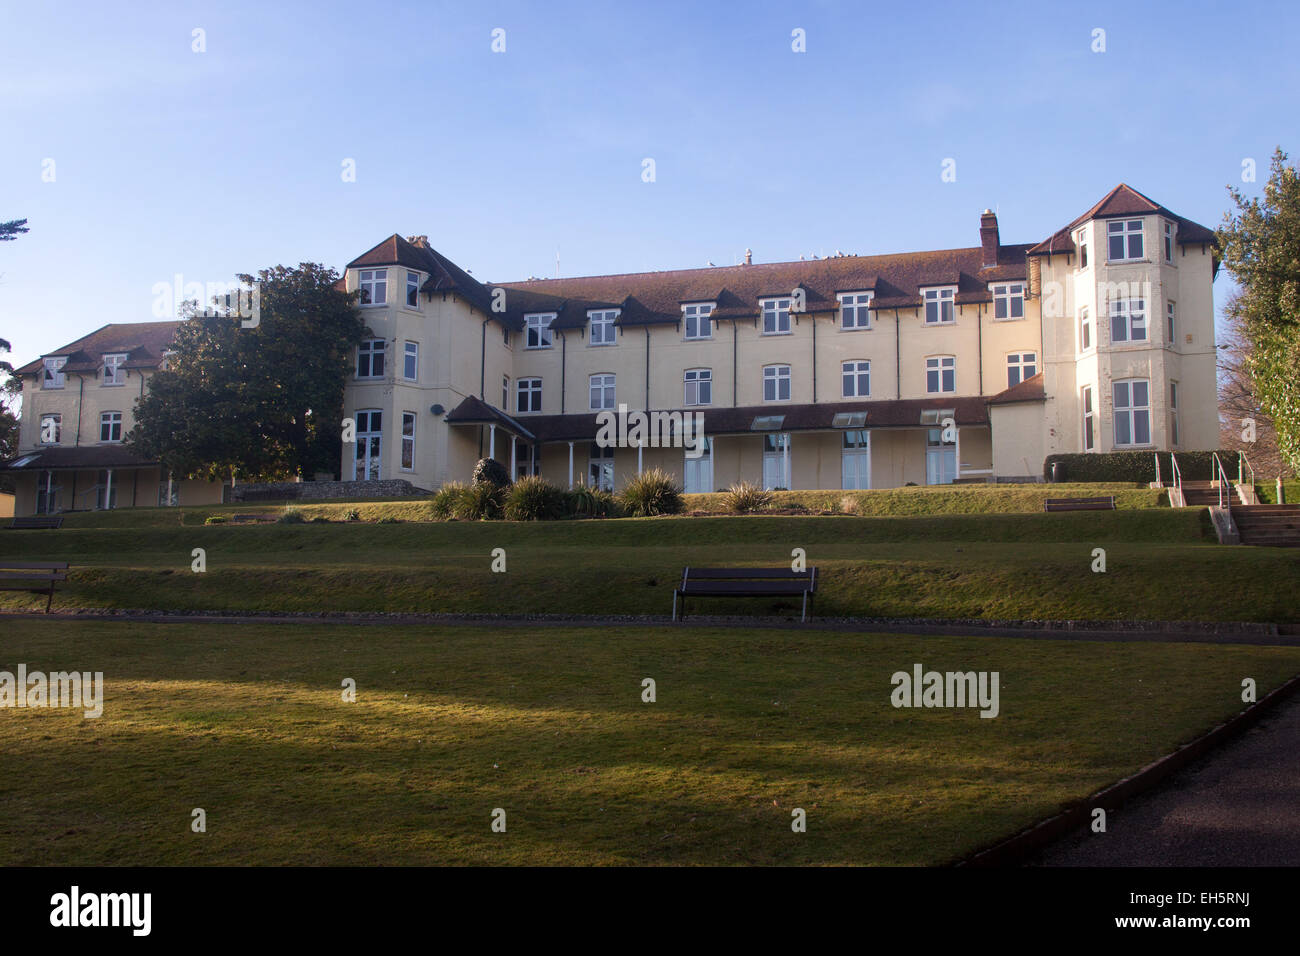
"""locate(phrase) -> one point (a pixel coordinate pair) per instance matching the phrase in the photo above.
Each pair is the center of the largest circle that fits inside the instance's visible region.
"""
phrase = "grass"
(1161, 564)
(246, 722)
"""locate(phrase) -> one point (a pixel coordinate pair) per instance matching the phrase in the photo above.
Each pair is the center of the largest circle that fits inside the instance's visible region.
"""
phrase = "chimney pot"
(749, 257)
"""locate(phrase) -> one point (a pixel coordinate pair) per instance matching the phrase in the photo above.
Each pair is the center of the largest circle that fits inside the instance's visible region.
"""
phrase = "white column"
(513, 443)
(785, 462)
(492, 441)
(639, 456)
(108, 490)
(169, 489)
(957, 451)
(570, 464)
(49, 493)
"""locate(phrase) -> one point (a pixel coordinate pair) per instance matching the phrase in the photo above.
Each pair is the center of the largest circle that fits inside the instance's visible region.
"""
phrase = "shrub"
(588, 502)
(534, 499)
(653, 492)
(320, 519)
(291, 516)
(352, 514)
(489, 471)
(744, 498)
(389, 519)
(1139, 466)
(479, 502)
(215, 519)
(445, 499)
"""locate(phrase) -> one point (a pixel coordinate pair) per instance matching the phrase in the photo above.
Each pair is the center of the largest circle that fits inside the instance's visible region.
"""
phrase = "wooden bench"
(1103, 503)
(745, 582)
(38, 577)
(37, 521)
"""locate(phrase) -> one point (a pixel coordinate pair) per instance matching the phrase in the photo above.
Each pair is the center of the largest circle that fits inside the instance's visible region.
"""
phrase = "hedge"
(1140, 466)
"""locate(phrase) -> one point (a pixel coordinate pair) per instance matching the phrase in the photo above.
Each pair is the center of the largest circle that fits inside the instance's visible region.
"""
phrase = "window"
(941, 374)
(857, 379)
(1009, 301)
(366, 465)
(51, 429)
(1128, 320)
(505, 336)
(1124, 240)
(602, 327)
(530, 395)
(1083, 249)
(110, 426)
(114, 373)
(939, 306)
(1089, 420)
(600, 467)
(539, 330)
(776, 316)
(105, 491)
(776, 383)
(1173, 413)
(1169, 242)
(855, 310)
(1132, 412)
(1020, 366)
(411, 361)
(374, 286)
(1085, 329)
(413, 290)
(699, 386)
(370, 359)
(602, 392)
(698, 323)
(505, 392)
(53, 377)
(408, 441)
(1169, 323)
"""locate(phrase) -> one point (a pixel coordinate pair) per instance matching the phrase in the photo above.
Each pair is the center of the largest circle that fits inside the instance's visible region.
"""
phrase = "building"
(78, 406)
(844, 372)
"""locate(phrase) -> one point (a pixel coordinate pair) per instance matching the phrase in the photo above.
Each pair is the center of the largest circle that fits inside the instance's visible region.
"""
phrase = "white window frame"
(857, 306)
(53, 376)
(1169, 233)
(411, 356)
(944, 300)
(505, 393)
(1171, 322)
(370, 281)
(369, 349)
(1089, 409)
(531, 387)
(1082, 240)
(1127, 234)
(602, 391)
(602, 321)
(697, 386)
(1005, 296)
(1019, 362)
(110, 421)
(364, 437)
(1131, 317)
(600, 466)
(58, 428)
(701, 315)
(114, 374)
(1130, 411)
(853, 374)
(412, 289)
(539, 330)
(778, 312)
(1087, 334)
(408, 441)
(776, 376)
(941, 366)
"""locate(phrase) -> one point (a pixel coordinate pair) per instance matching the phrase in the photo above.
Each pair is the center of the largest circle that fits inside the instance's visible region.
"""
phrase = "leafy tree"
(1260, 245)
(11, 229)
(266, 401)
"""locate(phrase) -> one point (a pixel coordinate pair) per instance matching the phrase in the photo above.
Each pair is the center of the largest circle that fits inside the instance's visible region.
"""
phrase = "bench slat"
(765, 574)
(738, 588)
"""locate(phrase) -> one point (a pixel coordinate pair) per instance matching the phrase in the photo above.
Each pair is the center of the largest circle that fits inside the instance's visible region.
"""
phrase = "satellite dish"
(437, 409)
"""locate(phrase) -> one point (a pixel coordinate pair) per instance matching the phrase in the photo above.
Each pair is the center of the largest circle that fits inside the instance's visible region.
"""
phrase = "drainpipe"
(735, 358)
(564, 370)
(979, 345)
(813, 320)
(898, 360)
(80, 394)
(647, 380)
(482, 363)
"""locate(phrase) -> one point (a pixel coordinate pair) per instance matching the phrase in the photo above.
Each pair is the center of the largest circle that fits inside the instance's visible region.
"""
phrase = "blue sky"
(206, 164)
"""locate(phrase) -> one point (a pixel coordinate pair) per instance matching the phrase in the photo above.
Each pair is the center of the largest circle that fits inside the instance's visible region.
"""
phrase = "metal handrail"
(1176, 493)
(1223, 479)
(1244, 471)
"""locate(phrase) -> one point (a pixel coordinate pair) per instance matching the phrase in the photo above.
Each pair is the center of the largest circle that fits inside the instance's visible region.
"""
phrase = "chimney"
(749, 257)
(420, 242)
(989, 238)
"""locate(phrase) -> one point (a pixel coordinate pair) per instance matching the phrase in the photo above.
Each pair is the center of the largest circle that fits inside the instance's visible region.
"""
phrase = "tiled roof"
(1121, 201)
(444, 275)
(1030, 390)
(87, 456)
(144, 343)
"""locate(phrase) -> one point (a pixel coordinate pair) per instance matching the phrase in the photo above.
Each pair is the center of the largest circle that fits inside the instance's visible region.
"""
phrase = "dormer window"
(374, 286)
(699, 325)
(114, 373)
(855, 310)
(1124, 240)
(53, 376)
(540, 335)
(1008, 300)
(939, 305)
(602, 326)
(776, 316)
(413, 290)
(1169, 242)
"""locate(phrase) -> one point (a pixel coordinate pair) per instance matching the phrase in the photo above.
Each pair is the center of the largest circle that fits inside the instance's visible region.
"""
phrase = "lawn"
(247, 722)
(1160, 564)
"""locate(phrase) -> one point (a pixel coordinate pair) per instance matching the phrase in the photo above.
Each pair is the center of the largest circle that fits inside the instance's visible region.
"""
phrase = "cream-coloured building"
(78, 405)
(845, 372)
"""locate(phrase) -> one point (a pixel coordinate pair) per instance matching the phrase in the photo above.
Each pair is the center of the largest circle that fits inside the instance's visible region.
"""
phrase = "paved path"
(1239, 806)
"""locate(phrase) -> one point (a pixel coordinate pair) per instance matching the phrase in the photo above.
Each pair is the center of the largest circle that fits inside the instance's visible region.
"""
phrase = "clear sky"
(206, 164)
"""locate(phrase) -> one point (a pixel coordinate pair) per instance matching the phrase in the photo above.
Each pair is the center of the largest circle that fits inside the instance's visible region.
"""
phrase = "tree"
(1261, 250)
(266, 400)
(8, 420)
(11, 229)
